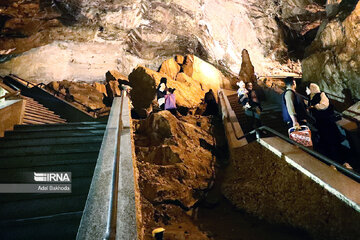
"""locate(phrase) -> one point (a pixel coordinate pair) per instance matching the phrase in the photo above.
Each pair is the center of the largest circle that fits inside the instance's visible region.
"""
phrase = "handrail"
(355, 176)
(10, 94)
(42, 86)
(110, 209)
(111, 220)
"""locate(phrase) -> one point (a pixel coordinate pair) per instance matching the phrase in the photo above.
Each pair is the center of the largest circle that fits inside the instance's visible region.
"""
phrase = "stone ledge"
(344, 188)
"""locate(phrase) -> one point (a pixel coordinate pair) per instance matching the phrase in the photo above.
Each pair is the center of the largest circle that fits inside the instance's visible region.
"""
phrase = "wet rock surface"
(263, 184)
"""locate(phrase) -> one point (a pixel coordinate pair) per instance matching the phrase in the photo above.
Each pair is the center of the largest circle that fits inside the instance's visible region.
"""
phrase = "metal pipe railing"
(355, 176)
(57, 93)
(113, 200)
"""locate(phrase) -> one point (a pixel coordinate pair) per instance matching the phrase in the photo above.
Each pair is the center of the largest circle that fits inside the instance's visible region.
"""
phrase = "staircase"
(271, 116)
(71, 147)
(36, 113)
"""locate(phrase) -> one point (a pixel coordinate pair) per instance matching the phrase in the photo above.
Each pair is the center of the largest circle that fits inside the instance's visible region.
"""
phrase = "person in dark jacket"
(293, 106)
(211, 104)
(329, 133)
(161, 91)
(253, 99)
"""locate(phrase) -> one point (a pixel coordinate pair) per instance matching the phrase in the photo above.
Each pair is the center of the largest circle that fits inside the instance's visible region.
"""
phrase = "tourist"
(161, 92)
(243, 94)
(293, 107)
(211, 104)
(170, 101)
(253, 99)
(329, 133)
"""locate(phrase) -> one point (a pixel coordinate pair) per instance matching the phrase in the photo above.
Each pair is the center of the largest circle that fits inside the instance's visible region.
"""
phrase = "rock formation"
(191, 85)
(333, 58)
(90, 37)
(247, 73)
(112, 84)
(175, 167)
(88, 97)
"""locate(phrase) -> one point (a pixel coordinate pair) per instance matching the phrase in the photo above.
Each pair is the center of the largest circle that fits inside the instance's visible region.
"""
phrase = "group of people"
(316, 112)
(247, 96)
(167, 100)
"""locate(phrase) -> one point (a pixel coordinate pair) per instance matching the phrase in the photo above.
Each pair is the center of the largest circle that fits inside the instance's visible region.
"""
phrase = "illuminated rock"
(205, 73)
(247, 73)
(170, 68)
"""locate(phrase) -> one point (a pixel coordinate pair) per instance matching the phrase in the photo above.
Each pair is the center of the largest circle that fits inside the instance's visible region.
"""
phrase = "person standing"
(329, 133)
(293, 107)
(161, 93)
(253, 99)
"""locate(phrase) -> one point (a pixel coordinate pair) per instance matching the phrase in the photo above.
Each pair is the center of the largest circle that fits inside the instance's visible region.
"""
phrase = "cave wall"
(333, 59)
(78, 32)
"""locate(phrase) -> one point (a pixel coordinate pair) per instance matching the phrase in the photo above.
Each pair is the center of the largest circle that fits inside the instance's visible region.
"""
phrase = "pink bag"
(170, 102)
(301, 135)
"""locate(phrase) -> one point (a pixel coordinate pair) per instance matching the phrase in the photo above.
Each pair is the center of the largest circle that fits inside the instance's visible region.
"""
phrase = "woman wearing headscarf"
(161, 93)
(329, 133)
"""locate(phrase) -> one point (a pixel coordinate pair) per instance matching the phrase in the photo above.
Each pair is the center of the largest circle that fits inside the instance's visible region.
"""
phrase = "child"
(242, 94)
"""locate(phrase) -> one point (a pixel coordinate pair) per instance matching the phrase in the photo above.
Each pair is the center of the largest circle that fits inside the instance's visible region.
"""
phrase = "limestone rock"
(114, 75)
(179, 59)
(189, 91)
(204, 73)
(173, 165)
(112, 84)
(84, 93)
(247, 73)
(143, 91)
(170, 67)
(100, 87)
(333, 59)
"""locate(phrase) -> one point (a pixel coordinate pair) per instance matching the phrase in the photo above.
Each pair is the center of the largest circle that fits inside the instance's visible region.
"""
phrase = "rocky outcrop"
(191, 85)
(333, 58)
(88, 97)
(247, 73)
(173, 165)
(102, 34)
(112, 83)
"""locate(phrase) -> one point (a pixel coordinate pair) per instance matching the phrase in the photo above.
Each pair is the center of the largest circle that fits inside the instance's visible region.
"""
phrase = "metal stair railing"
(43, 86)
(264, 129)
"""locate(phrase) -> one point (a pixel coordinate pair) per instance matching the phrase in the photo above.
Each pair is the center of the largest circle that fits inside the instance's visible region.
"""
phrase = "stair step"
(59, 127)
(15, 143)
(69, 124)
(90, 131)
(37, 119)
(25, 122)
(44, 114)
(42, 207)
(44, 160)
(37, 108)
(55, 227)
(52, 149)
(49, 117)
